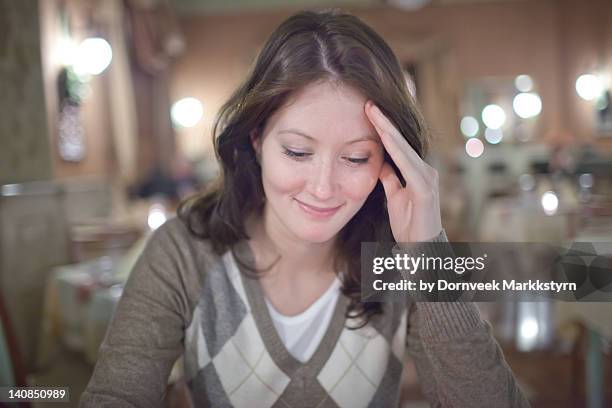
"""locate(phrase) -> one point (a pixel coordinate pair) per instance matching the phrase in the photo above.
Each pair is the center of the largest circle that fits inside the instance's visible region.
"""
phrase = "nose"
(322, 182)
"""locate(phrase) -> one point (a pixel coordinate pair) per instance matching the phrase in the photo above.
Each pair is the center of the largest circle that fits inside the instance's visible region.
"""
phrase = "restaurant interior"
(106, 121)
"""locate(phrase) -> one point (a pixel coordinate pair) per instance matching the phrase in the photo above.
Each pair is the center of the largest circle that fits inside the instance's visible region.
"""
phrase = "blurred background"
(106, 111)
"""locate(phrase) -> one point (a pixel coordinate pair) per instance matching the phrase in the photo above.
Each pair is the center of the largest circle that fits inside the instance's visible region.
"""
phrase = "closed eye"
(296, 155)
(358, 160)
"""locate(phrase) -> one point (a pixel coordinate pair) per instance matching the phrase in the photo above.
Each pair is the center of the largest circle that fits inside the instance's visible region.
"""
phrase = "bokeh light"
(92, 57)
(527, 105)
(585, 180)
(186, 112)
(157, 216)
(493, 116)
(550, 202)
(526, 182)
(474, 147)
(523, 83)
(589, 87)
(469, 126)
(494, 136)
(529, 329)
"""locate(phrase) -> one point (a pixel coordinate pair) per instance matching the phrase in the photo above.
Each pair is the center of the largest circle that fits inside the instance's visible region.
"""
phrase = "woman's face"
(320, 159)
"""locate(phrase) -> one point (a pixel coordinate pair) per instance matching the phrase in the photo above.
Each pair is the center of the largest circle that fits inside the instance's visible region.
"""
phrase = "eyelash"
(358, 161)
(295, 155)
(299, 156)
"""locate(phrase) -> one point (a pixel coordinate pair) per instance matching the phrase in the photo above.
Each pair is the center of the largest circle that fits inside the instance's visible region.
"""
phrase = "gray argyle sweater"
(183, 299)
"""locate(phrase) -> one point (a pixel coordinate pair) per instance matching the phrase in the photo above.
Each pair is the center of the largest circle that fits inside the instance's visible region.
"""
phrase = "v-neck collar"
(265, 325)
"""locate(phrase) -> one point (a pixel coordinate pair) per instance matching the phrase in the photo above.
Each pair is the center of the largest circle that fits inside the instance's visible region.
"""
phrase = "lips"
(318, 212)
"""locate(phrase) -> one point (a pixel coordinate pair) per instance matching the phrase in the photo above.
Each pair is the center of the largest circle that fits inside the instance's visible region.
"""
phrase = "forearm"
(145, 337)
(464, 358)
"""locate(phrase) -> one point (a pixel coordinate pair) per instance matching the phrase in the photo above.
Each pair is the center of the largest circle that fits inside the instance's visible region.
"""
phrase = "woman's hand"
(414, 210)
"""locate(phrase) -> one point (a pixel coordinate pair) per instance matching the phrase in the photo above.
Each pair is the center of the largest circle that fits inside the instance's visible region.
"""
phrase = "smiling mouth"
(318, 211)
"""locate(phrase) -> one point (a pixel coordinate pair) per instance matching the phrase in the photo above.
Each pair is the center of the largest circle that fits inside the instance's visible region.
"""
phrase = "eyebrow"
(303, 134)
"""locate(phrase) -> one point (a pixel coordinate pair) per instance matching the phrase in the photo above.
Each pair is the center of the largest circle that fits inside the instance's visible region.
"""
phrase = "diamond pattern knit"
(184, 301)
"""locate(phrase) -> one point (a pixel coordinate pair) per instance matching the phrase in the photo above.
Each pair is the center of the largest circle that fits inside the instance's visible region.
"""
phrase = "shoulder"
(175, 242)
(174, 239)
(174, 229)
(175, 258)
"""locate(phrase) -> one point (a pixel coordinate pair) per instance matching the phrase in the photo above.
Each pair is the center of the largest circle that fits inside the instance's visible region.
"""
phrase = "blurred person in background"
(175, 186)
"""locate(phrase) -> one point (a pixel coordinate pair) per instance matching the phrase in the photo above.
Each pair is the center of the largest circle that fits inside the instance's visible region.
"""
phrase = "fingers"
(389, 179)
(384, 125)
(375, 117)
(418, 174)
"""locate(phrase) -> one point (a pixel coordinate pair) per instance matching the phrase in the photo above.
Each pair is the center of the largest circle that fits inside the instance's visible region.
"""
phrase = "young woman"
(257, 282)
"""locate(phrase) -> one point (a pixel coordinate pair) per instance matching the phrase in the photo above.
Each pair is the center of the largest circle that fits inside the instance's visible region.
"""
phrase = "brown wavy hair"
(308, 47)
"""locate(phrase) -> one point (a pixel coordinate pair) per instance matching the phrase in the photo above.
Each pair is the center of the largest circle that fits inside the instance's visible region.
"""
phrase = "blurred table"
(80, 300)
(521, 219)
(596, 316)
(97, 239)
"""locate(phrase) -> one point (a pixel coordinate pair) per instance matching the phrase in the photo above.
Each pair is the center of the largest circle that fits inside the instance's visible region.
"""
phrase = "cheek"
(358, 184)
(360, 181)
(279, 176)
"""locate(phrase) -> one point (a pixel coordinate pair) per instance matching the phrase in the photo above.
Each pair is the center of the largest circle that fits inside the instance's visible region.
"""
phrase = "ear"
(255, 141)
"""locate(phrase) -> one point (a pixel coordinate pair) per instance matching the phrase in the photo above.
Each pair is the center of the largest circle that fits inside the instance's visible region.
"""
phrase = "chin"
(316, 234)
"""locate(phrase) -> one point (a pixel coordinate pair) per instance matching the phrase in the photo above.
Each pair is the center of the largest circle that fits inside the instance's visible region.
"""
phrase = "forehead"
(326, 110)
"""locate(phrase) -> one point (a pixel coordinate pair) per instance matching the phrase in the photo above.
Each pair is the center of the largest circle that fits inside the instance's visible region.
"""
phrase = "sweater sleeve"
(145, 337)
(458, 361)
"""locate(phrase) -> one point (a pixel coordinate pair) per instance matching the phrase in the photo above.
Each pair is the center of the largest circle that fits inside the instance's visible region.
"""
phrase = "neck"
(298, 258)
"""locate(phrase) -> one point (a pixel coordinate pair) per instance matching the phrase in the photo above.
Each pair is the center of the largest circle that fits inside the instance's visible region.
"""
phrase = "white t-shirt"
(302, 333)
